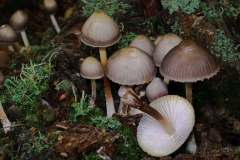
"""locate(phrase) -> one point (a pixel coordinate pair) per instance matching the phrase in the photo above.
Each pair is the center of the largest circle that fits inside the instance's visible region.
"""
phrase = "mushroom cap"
(143, 42)
(188, 62)
(155, 89)
(169, 41)
(50, 6)
(19, 21)
(153, 138)
(100, 30)
(130, 66)
(91, 68)
(8, 35)
(158, 39)
(4, 58)
(2, 78)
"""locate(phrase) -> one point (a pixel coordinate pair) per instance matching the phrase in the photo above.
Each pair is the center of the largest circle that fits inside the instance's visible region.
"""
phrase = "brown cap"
(100, 31)
(188, 62)
(4, 58)
(143, 42)
(169, 41)
(8, 35)
(19, 21)
(153, 138)
(130, 66)
(50, 6)
(91, 68)
(155, 89)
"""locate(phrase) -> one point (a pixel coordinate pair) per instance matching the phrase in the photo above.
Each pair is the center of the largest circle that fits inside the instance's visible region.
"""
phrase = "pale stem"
(166, 80)
(132, 100)
(108, 94)
(123, 107)
(4, 120)
(10, 48)
(55, 24)
(93, 98)
(24, 38)
(188, 87)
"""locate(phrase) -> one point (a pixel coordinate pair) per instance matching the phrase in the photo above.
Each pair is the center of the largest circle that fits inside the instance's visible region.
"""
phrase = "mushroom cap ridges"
(8, 35)
(155, 89)
(143, 42)
(153, 138)
(100, 31)
(188, 62)
(19, 21)
(168, 41)
(91, 68)
(130, 66)
(50, 6)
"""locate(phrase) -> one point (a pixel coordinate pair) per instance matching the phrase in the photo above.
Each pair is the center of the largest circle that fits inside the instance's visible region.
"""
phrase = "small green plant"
(106, 122)
(64, 84)
(236, 154)
(110, 7)
(187, 6)
(176, 28)
(126, 39)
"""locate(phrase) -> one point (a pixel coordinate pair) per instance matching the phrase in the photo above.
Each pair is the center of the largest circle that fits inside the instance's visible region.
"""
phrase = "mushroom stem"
(10, 48)
(131, 99)
(188, 87)
(107, 87)
(4, 120)
(54, 22)
(93, 98)
(24, 38)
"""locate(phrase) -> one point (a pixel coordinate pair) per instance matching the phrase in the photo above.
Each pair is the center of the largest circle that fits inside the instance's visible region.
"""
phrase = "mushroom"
(101, 31)
(151, 135)
(4, 58)
(92, 69)
(158, 39)
(50, 6)
(188, 62)
(169, 41)
(130, 66)
(19, 22)
(155, 89)
(143, 42)
(4, 120)
(8, 36)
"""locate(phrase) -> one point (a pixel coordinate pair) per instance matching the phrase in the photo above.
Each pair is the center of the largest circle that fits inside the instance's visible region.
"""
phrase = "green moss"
(187, 6)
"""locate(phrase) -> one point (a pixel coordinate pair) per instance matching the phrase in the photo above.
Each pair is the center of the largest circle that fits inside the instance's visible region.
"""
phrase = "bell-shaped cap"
(153, 138)
(168, 41)
(130, 66)
(100, 30)
(143, 42)
(8, 35)
(155, 89)
(50, 6)
(91, 68)
(19, 20)
(188, 62)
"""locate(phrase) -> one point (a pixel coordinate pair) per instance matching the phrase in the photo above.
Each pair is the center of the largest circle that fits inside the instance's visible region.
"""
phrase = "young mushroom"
(143, 42)
(101, 31)
(8, 36)
(50, 6)
(155, 89)
(188, 62)
(151, 135)
(19, 22)
(168, 41)
(4, 120)
(92, 69)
